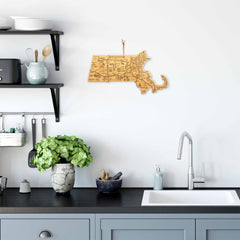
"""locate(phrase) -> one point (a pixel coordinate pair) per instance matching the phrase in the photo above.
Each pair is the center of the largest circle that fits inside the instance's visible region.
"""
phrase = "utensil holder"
(12, 139)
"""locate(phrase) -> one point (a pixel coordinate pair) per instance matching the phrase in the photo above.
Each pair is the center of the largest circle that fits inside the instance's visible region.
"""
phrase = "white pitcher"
(37, 73)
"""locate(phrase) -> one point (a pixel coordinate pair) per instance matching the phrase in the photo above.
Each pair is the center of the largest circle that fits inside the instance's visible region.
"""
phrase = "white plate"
(5, 28)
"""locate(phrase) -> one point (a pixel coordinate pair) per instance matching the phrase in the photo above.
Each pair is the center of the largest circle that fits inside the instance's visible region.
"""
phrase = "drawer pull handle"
(45, 234)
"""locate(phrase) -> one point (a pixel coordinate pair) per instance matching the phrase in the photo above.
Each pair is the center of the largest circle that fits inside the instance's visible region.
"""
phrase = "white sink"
(190, 198)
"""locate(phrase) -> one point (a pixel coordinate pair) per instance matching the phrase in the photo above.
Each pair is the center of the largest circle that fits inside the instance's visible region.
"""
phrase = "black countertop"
(89, 200)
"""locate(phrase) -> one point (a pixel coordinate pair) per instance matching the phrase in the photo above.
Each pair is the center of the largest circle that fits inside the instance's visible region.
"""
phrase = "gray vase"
(63, 177)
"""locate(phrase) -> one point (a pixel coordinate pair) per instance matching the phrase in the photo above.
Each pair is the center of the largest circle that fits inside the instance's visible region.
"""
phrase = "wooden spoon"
(46, 52)
(36, 55)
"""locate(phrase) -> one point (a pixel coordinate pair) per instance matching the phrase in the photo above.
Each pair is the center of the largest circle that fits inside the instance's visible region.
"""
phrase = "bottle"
(158, 179)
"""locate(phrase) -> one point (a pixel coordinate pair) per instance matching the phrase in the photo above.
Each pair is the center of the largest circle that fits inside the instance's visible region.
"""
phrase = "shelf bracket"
(55, 92)
(55, 39)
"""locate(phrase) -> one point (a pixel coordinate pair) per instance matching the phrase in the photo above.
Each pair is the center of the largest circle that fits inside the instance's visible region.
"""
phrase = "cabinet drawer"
(147, 229)
(60, 229)
(218, 229)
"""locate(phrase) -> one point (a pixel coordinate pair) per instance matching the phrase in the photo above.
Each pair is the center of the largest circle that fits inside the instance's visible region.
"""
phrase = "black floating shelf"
(40, 32)
(55, 39)
(27, 85)
(55, 93)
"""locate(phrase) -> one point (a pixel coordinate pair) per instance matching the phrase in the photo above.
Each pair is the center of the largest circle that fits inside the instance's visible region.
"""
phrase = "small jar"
(25, 186)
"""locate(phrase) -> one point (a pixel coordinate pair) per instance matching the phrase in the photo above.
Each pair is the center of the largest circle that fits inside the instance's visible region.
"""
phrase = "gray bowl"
(109, 186)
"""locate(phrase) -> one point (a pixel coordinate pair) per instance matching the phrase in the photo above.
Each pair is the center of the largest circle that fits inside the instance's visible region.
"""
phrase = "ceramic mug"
(37, 73)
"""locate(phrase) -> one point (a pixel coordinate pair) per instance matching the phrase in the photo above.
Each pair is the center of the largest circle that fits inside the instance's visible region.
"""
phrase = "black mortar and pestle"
(112, 185)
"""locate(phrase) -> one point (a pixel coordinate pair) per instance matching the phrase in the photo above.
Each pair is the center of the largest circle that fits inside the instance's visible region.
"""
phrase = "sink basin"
(190, 198)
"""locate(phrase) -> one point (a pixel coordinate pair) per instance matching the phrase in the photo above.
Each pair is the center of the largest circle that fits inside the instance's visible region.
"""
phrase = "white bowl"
(5, 23)
(31, 24)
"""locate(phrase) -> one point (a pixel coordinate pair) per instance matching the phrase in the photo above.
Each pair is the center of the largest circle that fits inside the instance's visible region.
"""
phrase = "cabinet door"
(218, 229)
(56, 229)
(147, 229)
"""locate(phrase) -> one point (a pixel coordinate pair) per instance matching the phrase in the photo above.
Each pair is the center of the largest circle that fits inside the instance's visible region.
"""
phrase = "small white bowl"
(31, 24)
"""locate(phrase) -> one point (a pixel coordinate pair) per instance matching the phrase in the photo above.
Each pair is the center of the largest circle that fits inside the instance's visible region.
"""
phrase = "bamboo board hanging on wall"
(112, 68)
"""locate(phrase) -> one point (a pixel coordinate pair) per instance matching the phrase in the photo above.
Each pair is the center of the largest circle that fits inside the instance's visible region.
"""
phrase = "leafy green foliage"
(51, 150)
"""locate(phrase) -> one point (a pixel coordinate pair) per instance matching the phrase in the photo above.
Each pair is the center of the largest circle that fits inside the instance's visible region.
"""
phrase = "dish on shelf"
(5, 28)
(5, 23)
(31, 24)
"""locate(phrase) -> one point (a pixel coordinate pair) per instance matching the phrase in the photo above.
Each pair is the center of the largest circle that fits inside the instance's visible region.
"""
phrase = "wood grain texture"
(112, 68)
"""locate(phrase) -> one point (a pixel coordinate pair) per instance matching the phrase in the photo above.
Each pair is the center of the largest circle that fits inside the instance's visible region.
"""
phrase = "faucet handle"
(198, 180)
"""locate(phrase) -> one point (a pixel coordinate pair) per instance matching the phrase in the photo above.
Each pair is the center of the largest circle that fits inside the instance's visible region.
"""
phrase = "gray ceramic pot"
(63, 177)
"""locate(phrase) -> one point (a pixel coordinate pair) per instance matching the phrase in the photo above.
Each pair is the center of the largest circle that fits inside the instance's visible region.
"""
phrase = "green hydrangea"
(52, 149)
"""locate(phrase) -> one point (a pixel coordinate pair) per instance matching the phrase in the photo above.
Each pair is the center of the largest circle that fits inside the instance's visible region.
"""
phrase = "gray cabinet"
(60, 227)
(218, 229)
(120, 226)
(145, 228)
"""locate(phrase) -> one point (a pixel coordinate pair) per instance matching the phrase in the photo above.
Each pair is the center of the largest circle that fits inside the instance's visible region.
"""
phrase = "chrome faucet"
(191, 178)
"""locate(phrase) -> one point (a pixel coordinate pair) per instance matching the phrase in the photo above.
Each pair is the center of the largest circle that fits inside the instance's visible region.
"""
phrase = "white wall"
(196, 44)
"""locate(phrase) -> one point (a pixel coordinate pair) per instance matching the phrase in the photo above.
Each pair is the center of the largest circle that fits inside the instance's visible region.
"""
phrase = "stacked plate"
(31, 24)
(5, 24)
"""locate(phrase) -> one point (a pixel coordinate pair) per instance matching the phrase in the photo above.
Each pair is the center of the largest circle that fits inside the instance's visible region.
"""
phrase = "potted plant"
(62, 153)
